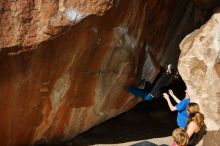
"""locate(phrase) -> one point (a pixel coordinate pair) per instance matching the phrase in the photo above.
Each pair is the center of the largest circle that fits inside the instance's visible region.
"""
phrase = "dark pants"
(144, 93)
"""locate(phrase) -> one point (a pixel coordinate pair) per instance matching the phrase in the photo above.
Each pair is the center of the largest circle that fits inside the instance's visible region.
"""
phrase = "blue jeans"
(143, 93)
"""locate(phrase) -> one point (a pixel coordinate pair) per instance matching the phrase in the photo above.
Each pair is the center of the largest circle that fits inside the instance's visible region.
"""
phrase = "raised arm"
(174, 96)
(172, 108)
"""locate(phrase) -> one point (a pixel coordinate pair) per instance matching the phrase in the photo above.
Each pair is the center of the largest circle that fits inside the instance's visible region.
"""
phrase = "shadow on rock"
(151, 119)
(147, 120)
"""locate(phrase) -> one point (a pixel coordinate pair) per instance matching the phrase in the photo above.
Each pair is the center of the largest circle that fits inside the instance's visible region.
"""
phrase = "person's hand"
(171, 92)
(166, 96)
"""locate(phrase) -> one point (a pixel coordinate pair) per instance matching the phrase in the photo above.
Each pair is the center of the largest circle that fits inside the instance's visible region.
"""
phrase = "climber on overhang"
(155, 90)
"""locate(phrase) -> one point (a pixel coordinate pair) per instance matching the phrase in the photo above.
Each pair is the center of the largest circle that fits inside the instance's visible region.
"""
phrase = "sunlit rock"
(199, 67)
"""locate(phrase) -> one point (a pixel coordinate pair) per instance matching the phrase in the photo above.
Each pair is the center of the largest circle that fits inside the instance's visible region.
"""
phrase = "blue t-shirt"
(182, 115)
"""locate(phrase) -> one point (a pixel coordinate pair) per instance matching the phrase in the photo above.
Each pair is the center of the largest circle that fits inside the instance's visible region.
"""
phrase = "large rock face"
(65, 65)
(199, 65)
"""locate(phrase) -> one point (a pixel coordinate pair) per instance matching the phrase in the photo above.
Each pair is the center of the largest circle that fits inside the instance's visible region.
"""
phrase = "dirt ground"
(212, 138)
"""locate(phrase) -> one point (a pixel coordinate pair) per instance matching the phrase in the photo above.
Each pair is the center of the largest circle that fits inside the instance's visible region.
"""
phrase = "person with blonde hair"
(196, 128)
(180, 137)
(192, 109)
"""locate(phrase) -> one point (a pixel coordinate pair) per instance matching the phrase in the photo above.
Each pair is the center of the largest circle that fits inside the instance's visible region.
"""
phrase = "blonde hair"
(198, 119)
(180, 137)
(193, 108)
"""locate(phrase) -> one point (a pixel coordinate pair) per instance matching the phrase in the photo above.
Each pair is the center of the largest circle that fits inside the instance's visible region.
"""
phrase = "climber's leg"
(148, 97)
(136, 91)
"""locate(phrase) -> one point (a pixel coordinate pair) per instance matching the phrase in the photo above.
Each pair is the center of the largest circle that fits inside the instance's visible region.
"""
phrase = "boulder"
(199, 66)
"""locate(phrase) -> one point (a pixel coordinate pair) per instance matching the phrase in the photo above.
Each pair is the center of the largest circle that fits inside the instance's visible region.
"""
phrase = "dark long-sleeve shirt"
(162, 81)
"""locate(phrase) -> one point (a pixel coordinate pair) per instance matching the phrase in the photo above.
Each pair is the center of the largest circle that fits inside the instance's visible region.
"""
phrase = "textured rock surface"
(207, 4)
(199, 65)
(28, 22)
(62, 74)
(65, 65)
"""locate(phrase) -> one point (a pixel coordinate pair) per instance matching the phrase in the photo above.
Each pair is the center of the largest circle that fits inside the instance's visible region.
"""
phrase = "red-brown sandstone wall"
(65, 65)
